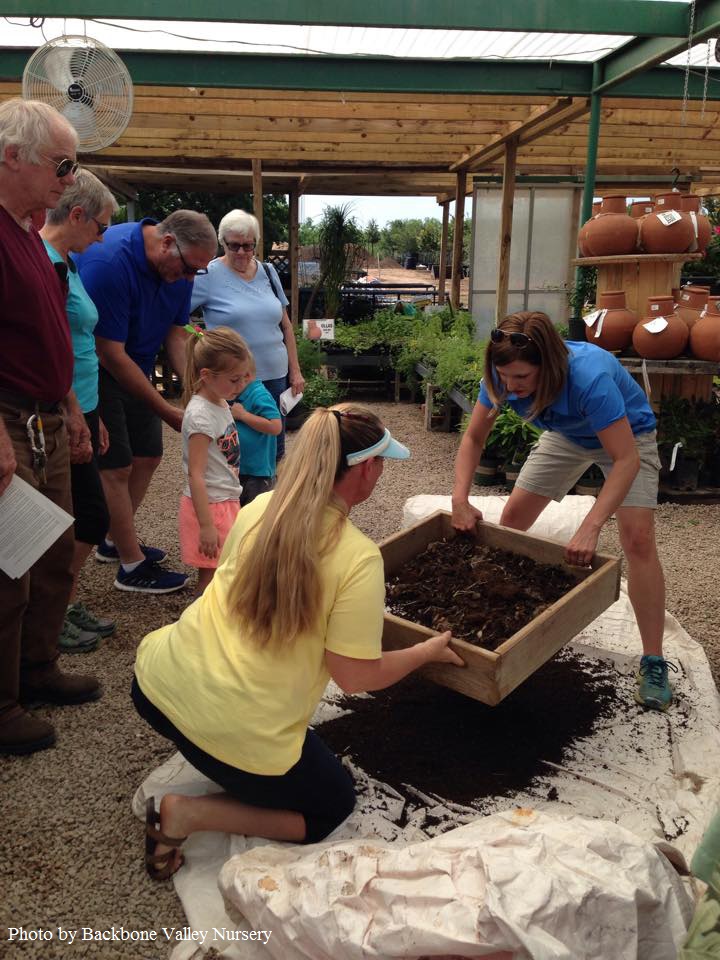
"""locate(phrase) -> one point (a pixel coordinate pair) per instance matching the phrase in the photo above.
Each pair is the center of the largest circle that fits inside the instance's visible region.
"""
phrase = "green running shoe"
(74, 640)
(654, 691)
(80, 616)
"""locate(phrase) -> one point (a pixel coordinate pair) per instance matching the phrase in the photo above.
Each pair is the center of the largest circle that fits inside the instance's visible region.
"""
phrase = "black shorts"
(253, 486)
(135, 429)
(89, 507)
(318, 786)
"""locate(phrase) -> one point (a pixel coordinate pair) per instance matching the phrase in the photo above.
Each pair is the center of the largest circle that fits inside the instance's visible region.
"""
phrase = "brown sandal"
(158, 865)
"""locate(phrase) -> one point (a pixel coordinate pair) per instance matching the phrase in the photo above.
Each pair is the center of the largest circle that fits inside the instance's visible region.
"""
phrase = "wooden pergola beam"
(457, 252)
(257, 192)
(506, 214)
(542, 121)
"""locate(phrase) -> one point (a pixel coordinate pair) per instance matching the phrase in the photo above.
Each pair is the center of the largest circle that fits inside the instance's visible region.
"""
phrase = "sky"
(380, 209)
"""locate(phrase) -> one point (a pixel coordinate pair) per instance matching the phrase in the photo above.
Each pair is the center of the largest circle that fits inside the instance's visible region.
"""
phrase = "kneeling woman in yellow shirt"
(297, 599)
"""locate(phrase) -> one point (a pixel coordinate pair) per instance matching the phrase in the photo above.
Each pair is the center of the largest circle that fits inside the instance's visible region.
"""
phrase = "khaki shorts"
(555, 464)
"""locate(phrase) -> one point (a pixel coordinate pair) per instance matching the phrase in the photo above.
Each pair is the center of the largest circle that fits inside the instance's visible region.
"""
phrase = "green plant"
(321, 392)
(338, 239)
(512, 435)
(309, 354)
(583, 291)
(684, 422)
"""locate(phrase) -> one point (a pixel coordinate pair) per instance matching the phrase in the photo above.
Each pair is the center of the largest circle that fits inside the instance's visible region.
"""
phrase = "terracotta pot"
(596, 208)
(612, 330)
(639, 208)
(612, 232)
(701, 224)
(657, 236)
(690, 304)
(705, 335)
(675, 293)
(666, 343)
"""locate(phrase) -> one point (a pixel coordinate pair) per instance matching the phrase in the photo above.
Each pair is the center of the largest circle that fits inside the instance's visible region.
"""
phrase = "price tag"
(657, 325)
(599, 324)
(669, 217)
(590, 318)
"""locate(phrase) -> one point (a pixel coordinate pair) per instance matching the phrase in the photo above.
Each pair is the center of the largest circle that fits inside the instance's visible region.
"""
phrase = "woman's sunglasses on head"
(516, 338)
(237, 247)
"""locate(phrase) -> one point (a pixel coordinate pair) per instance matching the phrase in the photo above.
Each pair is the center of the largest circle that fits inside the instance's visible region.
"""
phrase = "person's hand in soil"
(581, 549)
(439, 651)
(465, 516)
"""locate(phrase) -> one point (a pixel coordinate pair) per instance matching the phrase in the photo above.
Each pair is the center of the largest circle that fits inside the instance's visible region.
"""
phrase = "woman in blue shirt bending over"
(592, 411)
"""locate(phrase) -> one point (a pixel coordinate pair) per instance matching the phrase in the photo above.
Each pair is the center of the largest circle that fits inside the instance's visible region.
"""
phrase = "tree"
(160, 203)
(399, 237)
(338, 239)
(308, 233)
(372, 235)
(428, 239)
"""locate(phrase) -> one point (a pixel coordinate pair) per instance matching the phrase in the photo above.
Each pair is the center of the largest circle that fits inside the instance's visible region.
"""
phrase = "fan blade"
(56, 65)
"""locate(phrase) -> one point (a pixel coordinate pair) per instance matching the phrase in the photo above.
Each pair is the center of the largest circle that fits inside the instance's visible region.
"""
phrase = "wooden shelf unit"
(640, 275)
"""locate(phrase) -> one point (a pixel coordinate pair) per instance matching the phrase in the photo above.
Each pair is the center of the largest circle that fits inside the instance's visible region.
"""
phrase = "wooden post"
(457, 254)
(293, 252)
(258, 202)
(442, 270)
(506, 214)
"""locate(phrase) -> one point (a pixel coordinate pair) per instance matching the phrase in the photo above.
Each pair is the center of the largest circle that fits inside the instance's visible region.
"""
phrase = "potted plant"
(515, 437)
(683, 439)
(338, 240)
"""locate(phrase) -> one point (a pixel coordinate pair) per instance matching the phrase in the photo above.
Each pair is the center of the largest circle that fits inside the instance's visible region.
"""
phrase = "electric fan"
(85, 81)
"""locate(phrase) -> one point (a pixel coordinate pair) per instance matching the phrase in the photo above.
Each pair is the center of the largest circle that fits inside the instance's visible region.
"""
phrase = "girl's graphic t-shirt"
(214, 421)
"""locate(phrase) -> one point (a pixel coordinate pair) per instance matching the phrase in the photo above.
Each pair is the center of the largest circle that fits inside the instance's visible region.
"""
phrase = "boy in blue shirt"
(258, 424)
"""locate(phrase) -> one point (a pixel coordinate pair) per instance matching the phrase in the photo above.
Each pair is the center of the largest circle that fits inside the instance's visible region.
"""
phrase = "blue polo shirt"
(598, 391)
(257, 450)
(135, 305)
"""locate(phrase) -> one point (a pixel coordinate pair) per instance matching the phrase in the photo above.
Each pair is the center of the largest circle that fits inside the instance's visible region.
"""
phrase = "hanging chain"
(683, 114)
(705, 83)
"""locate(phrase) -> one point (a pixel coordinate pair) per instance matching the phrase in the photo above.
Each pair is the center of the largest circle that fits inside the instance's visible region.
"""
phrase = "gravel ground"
(71, 851)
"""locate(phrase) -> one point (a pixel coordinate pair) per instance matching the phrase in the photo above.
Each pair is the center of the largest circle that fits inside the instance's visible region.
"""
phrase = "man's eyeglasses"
(63, 167)
(101, 227)
(516, 338)
(187, 269)
(237, 247)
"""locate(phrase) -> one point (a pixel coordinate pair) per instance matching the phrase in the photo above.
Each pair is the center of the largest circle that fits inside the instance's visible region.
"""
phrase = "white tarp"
(538, 886)
(653, 775)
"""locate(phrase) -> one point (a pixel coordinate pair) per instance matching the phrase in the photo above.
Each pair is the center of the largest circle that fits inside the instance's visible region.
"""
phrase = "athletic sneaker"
(74, 640)
(80, 616)
(149, 577)
(106, 553)
(654, 690)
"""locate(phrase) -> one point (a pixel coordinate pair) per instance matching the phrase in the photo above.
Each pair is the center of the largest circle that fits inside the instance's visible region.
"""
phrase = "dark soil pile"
(482, 594)
(444, 743)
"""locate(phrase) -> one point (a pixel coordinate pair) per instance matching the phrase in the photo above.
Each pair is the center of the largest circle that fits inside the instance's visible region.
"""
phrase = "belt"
(24, 402)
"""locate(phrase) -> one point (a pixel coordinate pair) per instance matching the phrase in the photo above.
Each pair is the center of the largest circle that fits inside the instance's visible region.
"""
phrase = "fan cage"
(85, 81)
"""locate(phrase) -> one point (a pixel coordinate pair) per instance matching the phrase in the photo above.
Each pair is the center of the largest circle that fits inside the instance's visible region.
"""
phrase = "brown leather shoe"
(21, 732)
(61, 688)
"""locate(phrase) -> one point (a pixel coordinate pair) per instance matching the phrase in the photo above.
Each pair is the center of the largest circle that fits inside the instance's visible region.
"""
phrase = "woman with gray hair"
(242, 292)
(81, 218)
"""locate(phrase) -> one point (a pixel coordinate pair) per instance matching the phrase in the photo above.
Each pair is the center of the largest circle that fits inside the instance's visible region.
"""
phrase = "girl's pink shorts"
(223, 514)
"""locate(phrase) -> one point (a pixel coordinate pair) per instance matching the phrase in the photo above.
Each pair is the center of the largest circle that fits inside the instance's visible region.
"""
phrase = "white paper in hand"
(29, 525)
(288, 400)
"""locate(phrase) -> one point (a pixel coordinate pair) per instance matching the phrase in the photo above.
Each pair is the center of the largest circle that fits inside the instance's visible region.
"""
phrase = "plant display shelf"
(682, 377)
(363, 371)
(443, 419)
(639, 275)
(490, 675)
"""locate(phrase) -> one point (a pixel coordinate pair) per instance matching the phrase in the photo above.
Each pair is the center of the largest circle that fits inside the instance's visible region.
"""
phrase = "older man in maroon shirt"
(37, 163)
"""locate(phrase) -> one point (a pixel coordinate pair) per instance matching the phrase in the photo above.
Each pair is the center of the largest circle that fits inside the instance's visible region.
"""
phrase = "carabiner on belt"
(37, 445)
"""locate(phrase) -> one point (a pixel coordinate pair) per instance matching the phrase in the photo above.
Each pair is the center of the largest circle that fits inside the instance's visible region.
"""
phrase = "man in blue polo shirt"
(140, 279)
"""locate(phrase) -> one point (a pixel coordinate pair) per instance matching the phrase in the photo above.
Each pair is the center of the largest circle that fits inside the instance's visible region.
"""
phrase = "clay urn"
(313, 330)
(596, 208)
(668, 229)
(611, 232)
(661, 334)
(639, 208)
(703, 231)
(705, 335)
(690, 304)
(613, 328)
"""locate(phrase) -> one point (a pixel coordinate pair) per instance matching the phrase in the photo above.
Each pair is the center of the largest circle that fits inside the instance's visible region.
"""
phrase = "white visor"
(387, 446)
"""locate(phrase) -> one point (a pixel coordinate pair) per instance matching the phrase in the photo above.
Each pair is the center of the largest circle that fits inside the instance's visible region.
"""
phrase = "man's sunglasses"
(63, 167)
(187, 269)
(236, 247)
(516, 338)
